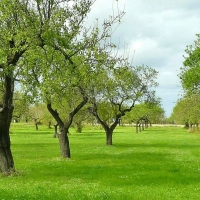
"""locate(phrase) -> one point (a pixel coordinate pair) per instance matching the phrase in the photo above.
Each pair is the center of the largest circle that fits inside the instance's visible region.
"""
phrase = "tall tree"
(190, 79)
(15, 33)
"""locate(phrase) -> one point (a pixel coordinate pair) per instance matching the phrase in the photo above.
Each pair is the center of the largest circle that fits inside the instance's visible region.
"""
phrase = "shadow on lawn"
(157, 145)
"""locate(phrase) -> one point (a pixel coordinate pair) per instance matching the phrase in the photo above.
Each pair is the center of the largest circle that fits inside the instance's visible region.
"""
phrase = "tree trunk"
(55, 130)
(49, 125)
(36, 126)
(140, 127)
(78, 127)
(64, 143)
(109, 134)
(6, 110)
(6, 158)
(143, 125)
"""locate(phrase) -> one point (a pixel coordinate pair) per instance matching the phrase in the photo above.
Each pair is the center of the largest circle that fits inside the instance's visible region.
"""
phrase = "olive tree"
(122, 86)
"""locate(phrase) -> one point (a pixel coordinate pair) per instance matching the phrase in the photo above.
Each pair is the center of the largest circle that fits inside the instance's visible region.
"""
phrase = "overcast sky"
(158, 31)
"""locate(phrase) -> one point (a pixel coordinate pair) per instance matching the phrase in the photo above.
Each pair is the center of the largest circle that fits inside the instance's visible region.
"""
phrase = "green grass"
(160, 163)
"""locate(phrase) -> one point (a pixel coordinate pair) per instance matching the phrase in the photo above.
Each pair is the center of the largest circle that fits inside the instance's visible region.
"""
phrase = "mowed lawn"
(160, 163)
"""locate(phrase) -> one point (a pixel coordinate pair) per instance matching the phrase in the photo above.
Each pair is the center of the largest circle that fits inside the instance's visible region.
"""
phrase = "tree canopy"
(190, 72)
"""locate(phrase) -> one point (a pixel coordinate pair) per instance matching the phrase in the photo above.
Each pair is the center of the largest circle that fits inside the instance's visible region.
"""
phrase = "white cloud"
(157, 32)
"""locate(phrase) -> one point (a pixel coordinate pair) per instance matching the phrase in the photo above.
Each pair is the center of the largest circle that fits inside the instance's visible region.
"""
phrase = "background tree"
(187, 110)
(37, 113)
(83, 116)
(21, 107)
(190, 79)
(122, 86)
(190, 72)
(153, 110)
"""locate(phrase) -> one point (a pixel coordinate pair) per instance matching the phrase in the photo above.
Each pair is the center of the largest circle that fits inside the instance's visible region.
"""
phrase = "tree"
(152, 110)
(82, 116)
(190, 72)
(37, 113)
(15, 33)
(59, 69)
(190, 79)
(21, 106)
(25, 25)
(186, 110)
(123, 86)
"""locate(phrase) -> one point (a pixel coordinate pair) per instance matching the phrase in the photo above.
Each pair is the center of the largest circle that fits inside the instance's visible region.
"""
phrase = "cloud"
(157, 33)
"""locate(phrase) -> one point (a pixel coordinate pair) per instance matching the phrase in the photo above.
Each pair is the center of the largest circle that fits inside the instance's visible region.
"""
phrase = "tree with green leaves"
(21, 105)
(190, 79)
(153, 110)
(190, 72)
(187, 110)
(123, 86)
(16, 33)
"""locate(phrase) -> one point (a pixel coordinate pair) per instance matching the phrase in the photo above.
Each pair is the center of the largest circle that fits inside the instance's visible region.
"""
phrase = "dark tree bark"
(62, 136)
(49, 126)
(36, 123)
(55, 130)
(109, 135)
(143, 125)
(108, 128)
(144, 121)
(36, 126)
(79, 126)
(64, 142)
(64, 126)
(6, 110)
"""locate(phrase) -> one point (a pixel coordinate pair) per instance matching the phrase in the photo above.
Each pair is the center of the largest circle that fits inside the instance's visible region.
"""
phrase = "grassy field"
(160, 163)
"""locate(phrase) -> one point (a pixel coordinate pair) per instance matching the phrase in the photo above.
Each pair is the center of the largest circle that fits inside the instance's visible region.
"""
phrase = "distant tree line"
(187, 108)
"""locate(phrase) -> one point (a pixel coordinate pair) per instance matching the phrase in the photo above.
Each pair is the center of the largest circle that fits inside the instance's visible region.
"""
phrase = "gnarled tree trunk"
(6, 109)
(109, 134)
(64, 126)
(6, 158)
(55, 130)
(64, 143)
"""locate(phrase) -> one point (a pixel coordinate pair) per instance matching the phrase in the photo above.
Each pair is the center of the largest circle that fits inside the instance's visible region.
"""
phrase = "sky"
(157, 33)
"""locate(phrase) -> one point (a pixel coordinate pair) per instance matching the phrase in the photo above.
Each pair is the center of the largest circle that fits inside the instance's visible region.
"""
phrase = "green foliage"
(153, 111)
(21, 107)
(39, 113)
(187, 109)
(190, 73)
(159, 163)
(123, 85)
